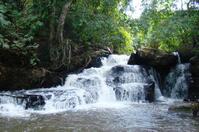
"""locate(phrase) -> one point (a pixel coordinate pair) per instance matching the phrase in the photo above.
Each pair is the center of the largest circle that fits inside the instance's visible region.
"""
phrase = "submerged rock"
(192, 107)
(181, 107)
(29, 101)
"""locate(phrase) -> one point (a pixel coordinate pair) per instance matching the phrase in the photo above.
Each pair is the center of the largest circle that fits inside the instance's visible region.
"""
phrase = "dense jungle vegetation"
(53, 32)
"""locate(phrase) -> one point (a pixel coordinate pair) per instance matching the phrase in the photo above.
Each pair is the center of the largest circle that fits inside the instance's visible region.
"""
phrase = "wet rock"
(34, 101)
(153, 58)
(142, 92)
(122, 94)
(181, 107)
(149, 91)
(96, 61)
(191, 107)
(186, 55)
(194, 60)
(193, 92)
(29, 101)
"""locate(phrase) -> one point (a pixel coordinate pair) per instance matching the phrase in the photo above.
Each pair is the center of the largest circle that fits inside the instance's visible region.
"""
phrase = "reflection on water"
(130, 117)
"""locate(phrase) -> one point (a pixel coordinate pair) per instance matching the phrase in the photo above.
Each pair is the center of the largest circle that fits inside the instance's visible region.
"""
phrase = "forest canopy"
(64, 26)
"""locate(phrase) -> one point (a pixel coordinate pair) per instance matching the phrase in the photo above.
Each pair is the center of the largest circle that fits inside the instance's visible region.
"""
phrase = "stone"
(29, 101)
(191, 107)
(153, 58)
(193, 92)
(149, 91)
(16, 78)
(181, 107)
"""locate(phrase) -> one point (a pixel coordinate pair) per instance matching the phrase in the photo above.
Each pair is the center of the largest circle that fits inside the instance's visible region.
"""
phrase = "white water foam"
(113, 85)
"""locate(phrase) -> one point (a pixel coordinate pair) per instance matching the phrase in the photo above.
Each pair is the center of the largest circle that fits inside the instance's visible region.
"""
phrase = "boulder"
(193, 92)
(194, 60)
(96, 61)
(153, 58)
(185, 55)
(191, 107)
(181, 107)
(29, 101)
(27, 78)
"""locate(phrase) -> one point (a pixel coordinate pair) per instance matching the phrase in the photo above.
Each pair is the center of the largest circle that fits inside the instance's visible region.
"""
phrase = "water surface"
(121, 117)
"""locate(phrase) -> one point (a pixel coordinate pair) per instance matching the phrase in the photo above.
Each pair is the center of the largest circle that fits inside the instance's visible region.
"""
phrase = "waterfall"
(113, 82)
(178, 56)
(176, 82)
(156, 78)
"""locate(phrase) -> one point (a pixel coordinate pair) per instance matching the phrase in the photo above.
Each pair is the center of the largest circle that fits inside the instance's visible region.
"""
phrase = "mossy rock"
(182, 107)
(192, 107)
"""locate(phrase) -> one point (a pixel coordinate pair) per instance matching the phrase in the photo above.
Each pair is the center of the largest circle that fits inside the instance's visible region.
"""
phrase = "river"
(109, 98)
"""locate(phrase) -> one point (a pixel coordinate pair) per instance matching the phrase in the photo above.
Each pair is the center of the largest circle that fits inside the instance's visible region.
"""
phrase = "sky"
(135, 9)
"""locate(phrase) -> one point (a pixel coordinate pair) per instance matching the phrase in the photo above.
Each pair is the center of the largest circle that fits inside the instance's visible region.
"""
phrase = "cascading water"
(176, 82)
(113, 81)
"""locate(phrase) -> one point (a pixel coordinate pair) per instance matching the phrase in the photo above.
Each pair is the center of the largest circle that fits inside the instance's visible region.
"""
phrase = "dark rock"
(194, 60)
(118, 70)
(191, 107)
(13, 58)
(96, 61)
(34, 101)
(27, 78)
(193, 92)
(153, 58)
(129, 94)
(29, 101)
(181, 107)
(194, 69)
(149, 91)
(121, 94)
(185, 56)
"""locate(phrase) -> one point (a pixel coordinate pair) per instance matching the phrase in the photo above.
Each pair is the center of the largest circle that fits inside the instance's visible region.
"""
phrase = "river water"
(109, 98)
(121, 117)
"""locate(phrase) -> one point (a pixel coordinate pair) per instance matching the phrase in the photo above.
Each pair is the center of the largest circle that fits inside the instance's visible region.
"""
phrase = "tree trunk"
(61, 23)
(60, 49)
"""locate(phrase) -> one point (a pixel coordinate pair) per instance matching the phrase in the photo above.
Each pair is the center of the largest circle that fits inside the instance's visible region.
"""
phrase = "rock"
(34, 101)
(96, 61)
(29, 101)
(194, 69)
(149, 91)
(27, 78)
(12, 58)
(192, 107)
(136, 94)
(194, 60)
(153, 58)
(185, 55)
(193, 92)
(181, 107)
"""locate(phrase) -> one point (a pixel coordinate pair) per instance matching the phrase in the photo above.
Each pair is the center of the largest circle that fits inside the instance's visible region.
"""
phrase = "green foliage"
(99, 23)
(18, 30)
(122, 41)
(166, 29)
